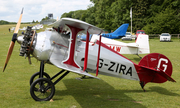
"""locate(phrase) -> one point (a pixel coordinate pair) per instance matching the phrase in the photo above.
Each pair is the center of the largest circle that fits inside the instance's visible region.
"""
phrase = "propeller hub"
(14, 38)
(20, 39)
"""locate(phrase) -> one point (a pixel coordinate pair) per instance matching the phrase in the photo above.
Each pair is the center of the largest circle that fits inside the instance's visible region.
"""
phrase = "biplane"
(70, 54)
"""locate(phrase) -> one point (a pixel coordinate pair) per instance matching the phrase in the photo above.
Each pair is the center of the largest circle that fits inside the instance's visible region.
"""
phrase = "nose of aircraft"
(20, 39)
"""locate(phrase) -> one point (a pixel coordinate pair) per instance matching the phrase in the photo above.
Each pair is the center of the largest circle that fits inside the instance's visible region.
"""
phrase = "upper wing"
(78, 24)
(69, 63)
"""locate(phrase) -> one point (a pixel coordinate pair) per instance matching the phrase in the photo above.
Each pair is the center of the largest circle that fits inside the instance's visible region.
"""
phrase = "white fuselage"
(111, 63)
(141, 46)
(53, 47)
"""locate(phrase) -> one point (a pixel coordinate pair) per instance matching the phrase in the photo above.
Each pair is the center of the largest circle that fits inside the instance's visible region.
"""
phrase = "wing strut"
(98, 56)
(86, 51)
(72, 43)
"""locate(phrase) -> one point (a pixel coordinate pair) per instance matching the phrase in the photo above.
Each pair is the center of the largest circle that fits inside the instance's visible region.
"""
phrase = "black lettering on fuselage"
(112, 64)
(101, 64)
(129, 71)
(115, 67)
(122, 68)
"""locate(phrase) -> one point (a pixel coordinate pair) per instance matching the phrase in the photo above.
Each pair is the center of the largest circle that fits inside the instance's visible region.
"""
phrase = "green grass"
(109, 92)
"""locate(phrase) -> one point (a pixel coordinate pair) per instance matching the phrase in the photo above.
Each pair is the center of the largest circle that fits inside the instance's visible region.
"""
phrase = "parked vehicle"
(128, 36)
(165, 37)
(139, 32)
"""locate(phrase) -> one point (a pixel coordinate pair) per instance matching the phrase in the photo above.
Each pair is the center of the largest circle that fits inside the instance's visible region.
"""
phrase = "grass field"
(109, 92)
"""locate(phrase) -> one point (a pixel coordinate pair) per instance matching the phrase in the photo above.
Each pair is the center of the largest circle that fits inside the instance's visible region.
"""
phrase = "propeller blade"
(19, 22)
(14, 38)
(9, 54)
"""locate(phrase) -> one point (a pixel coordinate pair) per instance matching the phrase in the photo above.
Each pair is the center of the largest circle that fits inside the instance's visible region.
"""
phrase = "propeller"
(30, 47)
(14, 38)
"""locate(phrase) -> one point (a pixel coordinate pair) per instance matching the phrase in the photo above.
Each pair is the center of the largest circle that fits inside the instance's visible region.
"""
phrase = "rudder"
(143, 42)
(155, 68)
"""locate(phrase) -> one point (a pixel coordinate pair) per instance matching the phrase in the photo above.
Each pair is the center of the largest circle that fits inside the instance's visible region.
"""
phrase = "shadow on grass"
(164, 91)
(97, 94)
(137, 59)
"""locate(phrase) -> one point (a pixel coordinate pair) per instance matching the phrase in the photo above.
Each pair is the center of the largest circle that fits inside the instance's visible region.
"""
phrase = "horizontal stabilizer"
(155, 68)
(163, 74)
(133, 45)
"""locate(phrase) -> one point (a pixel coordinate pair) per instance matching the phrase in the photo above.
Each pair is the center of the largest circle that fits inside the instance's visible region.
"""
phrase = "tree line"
(2, 22)
(153, 16)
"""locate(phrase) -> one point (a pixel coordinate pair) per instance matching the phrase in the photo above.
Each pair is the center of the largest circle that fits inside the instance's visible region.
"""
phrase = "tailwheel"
(36, 76)
(42, 89)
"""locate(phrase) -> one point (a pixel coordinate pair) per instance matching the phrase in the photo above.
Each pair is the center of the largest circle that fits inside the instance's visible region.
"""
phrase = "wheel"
(45, 91)
(36, 76)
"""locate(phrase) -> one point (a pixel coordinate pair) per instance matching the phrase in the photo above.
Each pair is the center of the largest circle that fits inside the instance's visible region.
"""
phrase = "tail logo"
(164, 65)
(153, 59)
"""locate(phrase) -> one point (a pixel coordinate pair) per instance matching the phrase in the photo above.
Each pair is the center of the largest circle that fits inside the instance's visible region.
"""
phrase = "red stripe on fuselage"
(105, 46)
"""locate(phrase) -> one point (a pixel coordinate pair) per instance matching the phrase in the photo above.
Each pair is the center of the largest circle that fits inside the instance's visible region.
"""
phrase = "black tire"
(45, 92)
(36, 76)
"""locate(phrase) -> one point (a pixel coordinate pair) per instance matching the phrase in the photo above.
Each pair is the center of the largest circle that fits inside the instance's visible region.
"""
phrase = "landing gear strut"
(43, 89)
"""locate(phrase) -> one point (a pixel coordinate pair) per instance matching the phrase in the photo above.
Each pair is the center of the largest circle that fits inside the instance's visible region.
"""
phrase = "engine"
(26, 42)
(36, 44)
(41, 45)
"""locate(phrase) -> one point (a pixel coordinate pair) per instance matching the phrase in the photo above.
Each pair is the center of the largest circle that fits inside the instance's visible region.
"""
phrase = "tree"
(90, 16)
(103, 15)
(140, 8)
(153, 16)
(68, 15)
(3, 22)
(46, 18)
(120, 10)
(165, 19)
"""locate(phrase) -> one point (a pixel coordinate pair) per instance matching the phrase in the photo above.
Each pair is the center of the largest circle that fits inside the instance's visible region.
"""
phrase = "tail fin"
(121, 31)
(143, 42)
(155, 68)
(118, 33)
